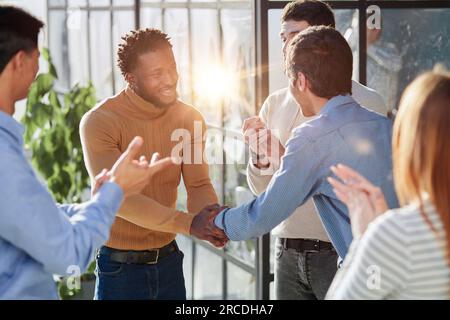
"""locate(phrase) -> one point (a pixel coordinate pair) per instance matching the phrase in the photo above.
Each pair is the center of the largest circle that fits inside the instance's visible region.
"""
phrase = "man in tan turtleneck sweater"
(141, 259)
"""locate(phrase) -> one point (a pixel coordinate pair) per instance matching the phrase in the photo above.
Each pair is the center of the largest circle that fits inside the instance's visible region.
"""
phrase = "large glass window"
(229, 59)
(213, 42)
(83, 40)
(410, 42)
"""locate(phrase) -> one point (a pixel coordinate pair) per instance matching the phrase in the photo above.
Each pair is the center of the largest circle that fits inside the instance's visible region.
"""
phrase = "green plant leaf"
(45, 54)
(33, 95)
(44, 83)
(54, 100)
(51, 68)
(52, 133)
(40, 114)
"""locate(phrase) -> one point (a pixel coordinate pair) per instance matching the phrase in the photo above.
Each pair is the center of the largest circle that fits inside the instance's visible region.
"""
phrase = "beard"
(155, 100)
(158, 103)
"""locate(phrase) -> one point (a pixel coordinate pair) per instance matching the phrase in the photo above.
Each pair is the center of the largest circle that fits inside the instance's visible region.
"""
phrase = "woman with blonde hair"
(403, 253)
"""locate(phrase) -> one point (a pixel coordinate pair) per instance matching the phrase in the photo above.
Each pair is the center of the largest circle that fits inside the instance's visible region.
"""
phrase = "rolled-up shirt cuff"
(219, 220)
(111, 195)
(269, 171)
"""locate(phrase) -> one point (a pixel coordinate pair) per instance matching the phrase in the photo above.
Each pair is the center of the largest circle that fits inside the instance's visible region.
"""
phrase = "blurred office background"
(221, 49)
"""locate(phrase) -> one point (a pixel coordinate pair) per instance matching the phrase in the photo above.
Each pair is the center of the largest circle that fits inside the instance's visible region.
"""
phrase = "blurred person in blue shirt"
(319, 66)
(39, 238)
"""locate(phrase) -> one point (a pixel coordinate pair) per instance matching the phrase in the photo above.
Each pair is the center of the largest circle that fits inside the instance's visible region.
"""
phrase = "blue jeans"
(303, 275)
(121, 281)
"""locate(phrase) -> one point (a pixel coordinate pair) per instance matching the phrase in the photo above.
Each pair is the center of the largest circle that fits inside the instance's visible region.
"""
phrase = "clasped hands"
(203, 226)
(262, 142)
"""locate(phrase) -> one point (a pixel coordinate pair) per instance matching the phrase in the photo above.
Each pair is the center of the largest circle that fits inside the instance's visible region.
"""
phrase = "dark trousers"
(303, 275)
(120, 281)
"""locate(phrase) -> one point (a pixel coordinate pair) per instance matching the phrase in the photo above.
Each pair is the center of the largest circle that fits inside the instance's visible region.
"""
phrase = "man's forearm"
(150, 214)
(238, 225)
(200, 197)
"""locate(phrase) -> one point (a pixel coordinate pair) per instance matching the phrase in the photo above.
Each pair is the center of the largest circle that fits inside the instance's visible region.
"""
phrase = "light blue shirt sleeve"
(343, 132)
(69, 209)
(289, 188)
(55, 237)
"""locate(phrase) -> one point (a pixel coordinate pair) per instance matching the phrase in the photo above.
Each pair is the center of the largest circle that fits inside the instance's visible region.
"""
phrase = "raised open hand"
(130, 173)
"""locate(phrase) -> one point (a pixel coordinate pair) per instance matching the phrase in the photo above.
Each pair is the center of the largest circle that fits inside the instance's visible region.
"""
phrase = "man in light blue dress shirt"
(39, 238)
(319, 66)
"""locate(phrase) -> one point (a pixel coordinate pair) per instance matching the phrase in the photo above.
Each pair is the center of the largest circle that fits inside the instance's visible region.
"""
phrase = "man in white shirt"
(306, 261)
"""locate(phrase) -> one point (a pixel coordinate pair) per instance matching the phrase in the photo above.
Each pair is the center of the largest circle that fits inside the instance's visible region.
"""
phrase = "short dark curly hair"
(138, 42)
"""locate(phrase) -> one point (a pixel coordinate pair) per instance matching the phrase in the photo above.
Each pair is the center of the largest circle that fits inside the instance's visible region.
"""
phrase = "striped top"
(399, 257)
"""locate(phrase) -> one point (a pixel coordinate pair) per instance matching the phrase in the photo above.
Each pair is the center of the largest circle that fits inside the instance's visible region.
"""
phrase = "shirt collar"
(336, 102)
(11, 126)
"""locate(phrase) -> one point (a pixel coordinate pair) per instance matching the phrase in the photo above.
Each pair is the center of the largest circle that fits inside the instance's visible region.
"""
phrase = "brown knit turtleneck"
(148, 220)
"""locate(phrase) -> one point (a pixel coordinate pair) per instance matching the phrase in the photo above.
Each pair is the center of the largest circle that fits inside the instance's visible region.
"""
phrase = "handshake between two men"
(268, 150)
(132, 174)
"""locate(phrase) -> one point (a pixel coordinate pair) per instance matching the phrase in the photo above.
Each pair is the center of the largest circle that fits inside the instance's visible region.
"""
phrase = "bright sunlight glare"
(214, 83)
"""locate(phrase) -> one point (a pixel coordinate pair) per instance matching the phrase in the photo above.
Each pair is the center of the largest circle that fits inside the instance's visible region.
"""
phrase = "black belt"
(139, 257)
(306, 245)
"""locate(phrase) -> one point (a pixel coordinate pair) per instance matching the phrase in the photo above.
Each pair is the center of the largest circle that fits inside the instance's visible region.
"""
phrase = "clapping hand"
(99, 180)
(130, 174)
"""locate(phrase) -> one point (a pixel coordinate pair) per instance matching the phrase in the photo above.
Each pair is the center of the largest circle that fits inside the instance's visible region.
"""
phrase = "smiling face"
(155, 77)
(289, 29)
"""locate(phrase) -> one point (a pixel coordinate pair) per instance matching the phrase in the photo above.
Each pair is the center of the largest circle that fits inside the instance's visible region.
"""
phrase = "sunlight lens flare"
(214, 83)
